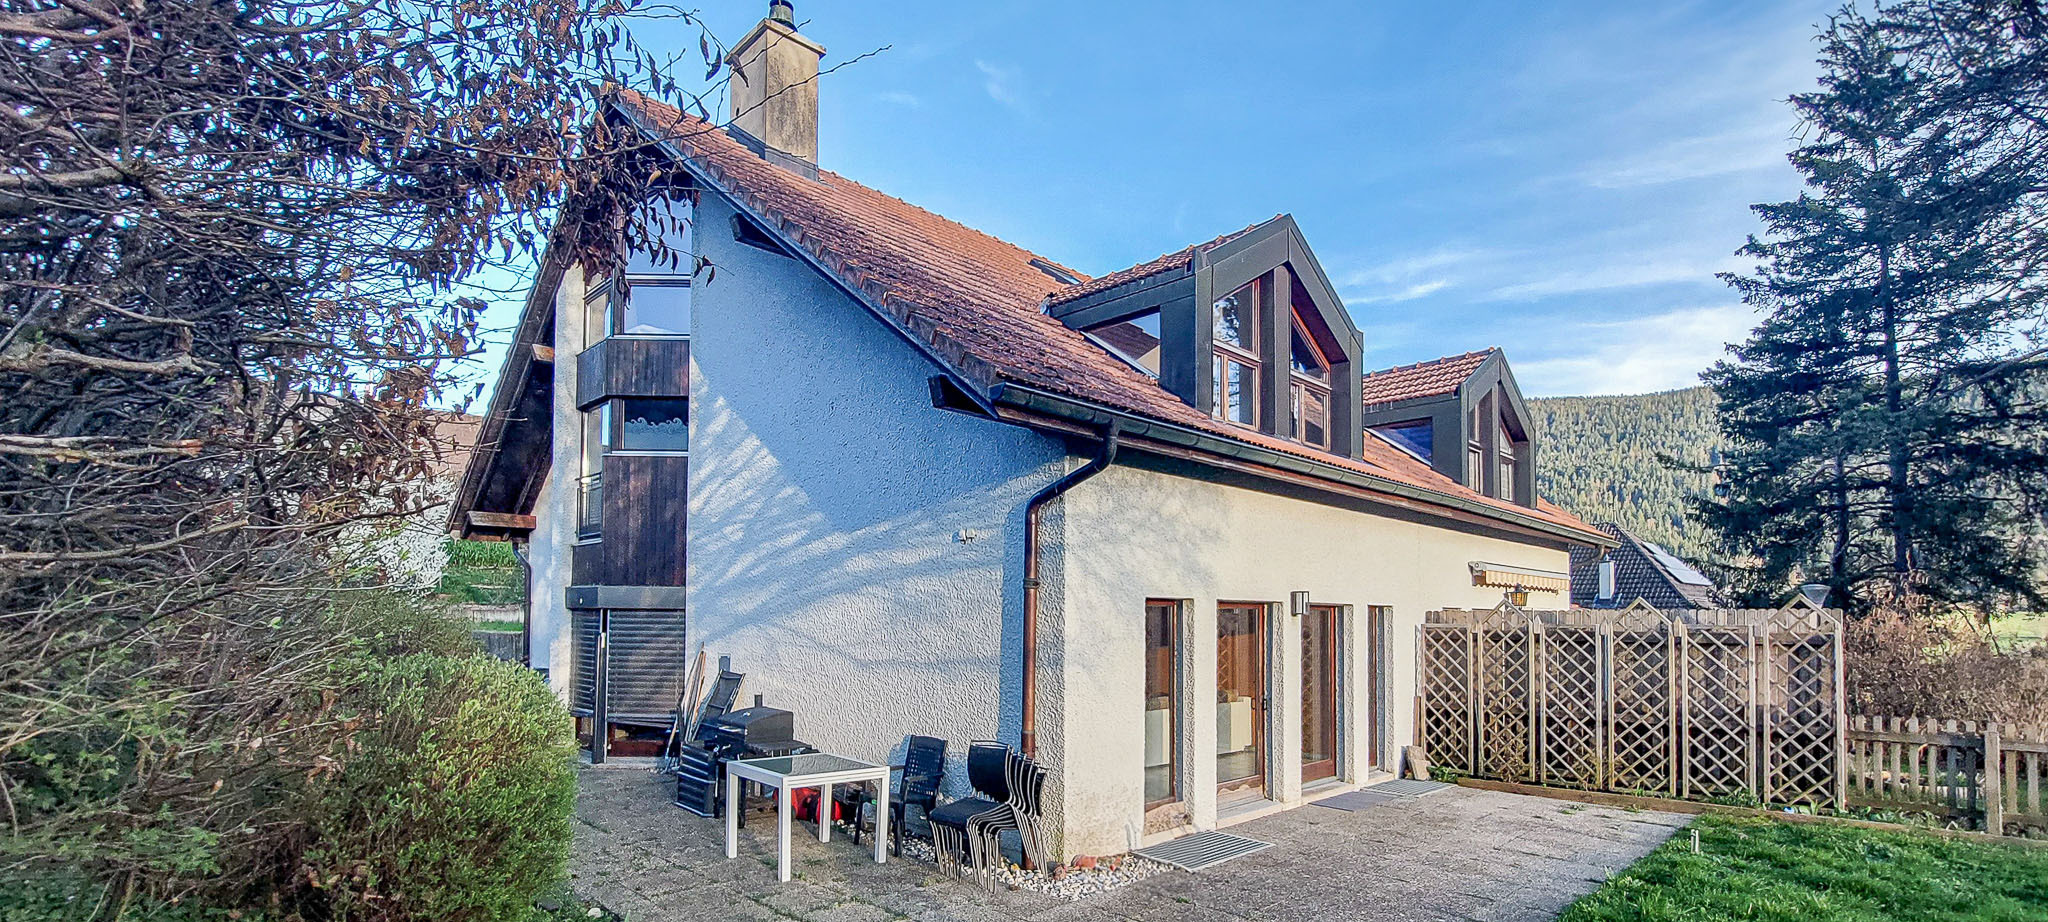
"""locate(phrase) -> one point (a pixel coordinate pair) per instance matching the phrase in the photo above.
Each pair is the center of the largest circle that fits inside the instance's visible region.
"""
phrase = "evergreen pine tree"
(1884, 424)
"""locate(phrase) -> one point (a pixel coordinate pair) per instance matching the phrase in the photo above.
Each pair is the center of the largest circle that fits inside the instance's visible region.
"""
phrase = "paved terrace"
(1458, 854)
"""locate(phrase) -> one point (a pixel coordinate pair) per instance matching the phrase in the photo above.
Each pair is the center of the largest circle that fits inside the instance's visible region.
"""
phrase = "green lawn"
(1761, 869)
(2021, 630)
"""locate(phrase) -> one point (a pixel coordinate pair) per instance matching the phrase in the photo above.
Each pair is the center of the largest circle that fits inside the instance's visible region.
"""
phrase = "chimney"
(774, 85)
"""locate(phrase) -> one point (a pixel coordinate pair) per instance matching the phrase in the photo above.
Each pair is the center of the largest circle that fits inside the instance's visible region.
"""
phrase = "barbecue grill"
(750, 733)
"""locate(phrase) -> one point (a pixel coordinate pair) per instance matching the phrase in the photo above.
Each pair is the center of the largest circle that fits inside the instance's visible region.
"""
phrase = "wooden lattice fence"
(1740, 704)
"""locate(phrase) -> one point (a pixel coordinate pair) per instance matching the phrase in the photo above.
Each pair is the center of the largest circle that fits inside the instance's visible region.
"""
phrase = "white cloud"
(1406, 268)
(900, 98)
(1758, 147)
(1004, 84)
(1656, 270)
(1409, 293)
(1653, 353)
(1403, 279)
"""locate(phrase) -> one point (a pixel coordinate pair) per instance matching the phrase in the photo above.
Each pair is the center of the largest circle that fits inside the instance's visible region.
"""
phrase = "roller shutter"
(647, 657)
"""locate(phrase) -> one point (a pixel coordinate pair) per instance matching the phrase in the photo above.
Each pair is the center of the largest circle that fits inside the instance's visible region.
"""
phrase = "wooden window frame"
(1376, 742)
(1262, 628)
(1300, 384)
(1176, 655)
(1227, 354)
(600, 311)
(1505, 464)
(1332, 677)
(616, 316)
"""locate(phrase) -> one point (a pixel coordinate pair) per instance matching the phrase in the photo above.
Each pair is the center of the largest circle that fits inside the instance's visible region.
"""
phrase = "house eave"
(1139, 429)
(525, 352)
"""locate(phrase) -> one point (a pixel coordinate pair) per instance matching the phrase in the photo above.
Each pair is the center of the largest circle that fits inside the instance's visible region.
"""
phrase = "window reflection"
(1133, 339)
(1237, 319)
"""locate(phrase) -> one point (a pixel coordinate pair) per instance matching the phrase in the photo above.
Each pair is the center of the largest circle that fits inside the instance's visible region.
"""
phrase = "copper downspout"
(1028, 735)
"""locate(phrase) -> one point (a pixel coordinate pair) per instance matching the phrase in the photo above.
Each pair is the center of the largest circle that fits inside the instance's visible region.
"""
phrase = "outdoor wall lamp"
(1518, 596)
(1297, 603)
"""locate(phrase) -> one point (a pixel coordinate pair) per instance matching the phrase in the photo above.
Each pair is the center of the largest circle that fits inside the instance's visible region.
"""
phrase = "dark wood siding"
(623, 366)
(644, 507)
(586, 564)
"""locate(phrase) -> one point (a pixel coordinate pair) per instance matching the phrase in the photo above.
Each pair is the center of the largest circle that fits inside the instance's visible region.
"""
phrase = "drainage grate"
(1357, 800)
(1408, 787)
(1202, 850)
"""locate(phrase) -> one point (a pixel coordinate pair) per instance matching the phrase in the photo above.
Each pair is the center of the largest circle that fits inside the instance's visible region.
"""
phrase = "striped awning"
(1508, 577)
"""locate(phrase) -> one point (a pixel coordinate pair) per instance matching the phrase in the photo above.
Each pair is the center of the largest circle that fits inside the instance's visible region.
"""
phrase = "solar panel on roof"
(1679, 569)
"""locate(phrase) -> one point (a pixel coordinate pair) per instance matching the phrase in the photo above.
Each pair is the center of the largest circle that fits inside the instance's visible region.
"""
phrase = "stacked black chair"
(971, 828)
(1027, 790)
(923, 768)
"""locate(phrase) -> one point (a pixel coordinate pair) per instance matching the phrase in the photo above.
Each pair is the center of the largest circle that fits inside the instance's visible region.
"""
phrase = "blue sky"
(1559, 179)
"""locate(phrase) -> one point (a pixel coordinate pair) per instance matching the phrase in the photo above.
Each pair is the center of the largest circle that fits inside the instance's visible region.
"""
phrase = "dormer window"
(1134, 339)
(1506, 449)
(1236, 343)
(1245, 328)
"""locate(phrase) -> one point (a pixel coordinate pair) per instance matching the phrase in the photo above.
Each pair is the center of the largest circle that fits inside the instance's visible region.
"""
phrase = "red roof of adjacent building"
(1433, 378)
(976, 300)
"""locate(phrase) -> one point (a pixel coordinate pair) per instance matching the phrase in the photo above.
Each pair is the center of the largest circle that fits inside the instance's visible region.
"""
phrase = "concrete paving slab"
(1455, 854)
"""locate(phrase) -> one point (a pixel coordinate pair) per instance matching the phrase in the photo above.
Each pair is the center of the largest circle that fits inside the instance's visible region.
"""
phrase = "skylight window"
(1056, 273)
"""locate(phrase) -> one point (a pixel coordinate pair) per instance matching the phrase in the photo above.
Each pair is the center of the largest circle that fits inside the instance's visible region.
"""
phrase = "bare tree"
(233, 240)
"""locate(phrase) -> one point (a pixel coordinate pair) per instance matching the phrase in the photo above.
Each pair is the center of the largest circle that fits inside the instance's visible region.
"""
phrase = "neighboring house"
(915, 479)
(1637, 569)
(410, 552)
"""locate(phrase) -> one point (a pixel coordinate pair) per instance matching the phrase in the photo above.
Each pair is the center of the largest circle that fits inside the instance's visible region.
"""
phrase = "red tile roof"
(1422, 379)
(1175, 261)
(975, 300)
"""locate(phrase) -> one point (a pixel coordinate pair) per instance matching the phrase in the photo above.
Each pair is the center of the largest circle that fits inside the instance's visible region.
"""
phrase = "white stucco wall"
(827, 503)
(1133, 534)
(554, 511)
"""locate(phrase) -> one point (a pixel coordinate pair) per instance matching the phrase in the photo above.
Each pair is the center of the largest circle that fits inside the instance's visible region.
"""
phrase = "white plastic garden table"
(811, 770)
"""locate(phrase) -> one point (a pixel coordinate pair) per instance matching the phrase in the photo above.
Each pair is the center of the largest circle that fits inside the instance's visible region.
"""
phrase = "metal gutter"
(1039, 401)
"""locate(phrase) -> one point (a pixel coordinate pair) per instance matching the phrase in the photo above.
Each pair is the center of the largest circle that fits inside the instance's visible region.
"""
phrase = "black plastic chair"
(923, 768)
(968, 827)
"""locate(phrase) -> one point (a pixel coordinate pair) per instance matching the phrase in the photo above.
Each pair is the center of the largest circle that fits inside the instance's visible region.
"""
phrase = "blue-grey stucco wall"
(853, 549)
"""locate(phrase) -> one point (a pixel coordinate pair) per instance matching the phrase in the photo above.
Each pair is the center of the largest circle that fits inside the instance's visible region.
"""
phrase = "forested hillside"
(1599, 458)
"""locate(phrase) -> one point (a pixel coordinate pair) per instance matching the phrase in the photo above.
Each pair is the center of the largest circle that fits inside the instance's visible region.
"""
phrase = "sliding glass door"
(1162, 702)
(1319, 636)
(1240, 696)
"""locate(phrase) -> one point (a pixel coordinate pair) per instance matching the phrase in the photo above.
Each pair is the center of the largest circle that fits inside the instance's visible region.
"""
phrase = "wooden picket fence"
(1725, 704)
(1976, 776)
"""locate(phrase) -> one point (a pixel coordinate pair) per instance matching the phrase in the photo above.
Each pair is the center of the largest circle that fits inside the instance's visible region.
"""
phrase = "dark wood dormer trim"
(1489, 393)
(1276, 253)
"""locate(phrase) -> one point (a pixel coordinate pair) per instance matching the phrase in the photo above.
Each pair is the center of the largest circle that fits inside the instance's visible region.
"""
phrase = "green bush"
(455, 802)
(481, 573)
